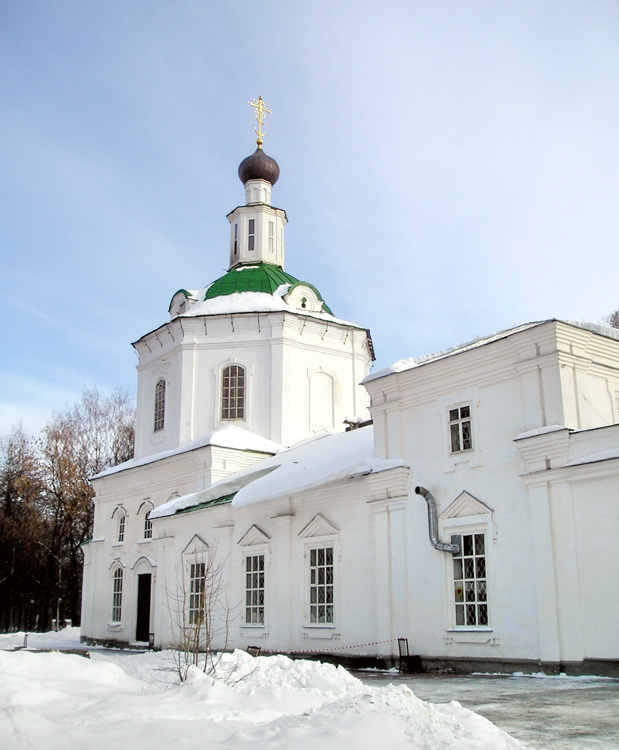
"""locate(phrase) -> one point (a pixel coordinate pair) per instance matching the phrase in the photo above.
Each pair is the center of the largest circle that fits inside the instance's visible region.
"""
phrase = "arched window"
(117, 594)
(122, 518)
(148, 526)
(159, 405)
(233, 392)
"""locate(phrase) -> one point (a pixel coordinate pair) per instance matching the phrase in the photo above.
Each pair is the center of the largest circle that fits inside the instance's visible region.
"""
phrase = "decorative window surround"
(468, 583)
(470, 457)
(322, 558)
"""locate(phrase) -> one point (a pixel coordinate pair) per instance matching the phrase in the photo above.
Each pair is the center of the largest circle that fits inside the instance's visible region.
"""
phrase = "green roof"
(261, 277)
(208, 504)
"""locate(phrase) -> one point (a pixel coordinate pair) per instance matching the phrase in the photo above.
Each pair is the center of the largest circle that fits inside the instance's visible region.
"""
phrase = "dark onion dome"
(259, 166)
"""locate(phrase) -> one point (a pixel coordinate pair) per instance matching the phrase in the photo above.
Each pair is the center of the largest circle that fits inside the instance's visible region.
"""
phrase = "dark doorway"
(142, 626)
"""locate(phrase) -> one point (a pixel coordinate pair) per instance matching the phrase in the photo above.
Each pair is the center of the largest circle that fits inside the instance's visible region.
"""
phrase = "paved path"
(570, 713)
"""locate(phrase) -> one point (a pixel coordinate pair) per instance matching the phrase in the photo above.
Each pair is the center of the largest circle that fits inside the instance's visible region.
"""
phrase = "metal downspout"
(433, 524)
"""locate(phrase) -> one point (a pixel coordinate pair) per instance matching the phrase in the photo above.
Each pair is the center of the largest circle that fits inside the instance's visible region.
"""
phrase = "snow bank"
(55, 701)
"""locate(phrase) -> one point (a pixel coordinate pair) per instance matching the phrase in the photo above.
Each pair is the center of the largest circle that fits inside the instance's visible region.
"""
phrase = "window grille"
(197, 582)
(460, 429)
(148, 527)
(251, 232)
(121, 528)
(233, 393)
(321, 586)
(159, 405)
(470, 586)
(117, 595)
(254, 590)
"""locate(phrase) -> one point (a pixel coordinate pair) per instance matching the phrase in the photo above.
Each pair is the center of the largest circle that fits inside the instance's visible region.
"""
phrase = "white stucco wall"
(283, 354)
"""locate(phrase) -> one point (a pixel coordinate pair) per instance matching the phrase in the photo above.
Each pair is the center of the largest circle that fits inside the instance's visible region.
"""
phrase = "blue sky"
(448, 169)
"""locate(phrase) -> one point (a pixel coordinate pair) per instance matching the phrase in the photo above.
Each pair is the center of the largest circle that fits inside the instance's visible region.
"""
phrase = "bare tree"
(200, 615)
(613, 319)
(46, 506)
(23, 574)
(91, 436)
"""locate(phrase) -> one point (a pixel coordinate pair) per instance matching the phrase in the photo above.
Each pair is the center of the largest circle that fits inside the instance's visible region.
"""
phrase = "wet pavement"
(571, 713)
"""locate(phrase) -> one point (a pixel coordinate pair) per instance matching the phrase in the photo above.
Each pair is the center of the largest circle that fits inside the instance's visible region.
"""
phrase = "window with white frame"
(117, 594)
(236, 239)
(233, 393)
(254, 590)
(251, 234)
(148, 526)
(197, 584)
(470, 583)
(321, 586)
(271, 237)
(159, 419)
(460, 433)
(120, 536)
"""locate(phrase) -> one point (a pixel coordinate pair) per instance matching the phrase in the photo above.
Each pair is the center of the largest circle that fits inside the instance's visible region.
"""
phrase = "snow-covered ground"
(63, 701)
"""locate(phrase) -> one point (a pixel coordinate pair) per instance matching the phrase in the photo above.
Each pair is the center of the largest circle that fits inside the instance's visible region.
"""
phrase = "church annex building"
(467, 501)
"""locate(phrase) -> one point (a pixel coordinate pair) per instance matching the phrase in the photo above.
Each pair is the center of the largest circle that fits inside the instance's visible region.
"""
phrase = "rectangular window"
(121, 528)
(271, 236)
(197, 581)
(460, 429)
(233, 393)
(148, 527)
(117, 595)
(159, 405)
(236, 238)
(470, 590)
(321, 586)
(251, 233)
(254, 590)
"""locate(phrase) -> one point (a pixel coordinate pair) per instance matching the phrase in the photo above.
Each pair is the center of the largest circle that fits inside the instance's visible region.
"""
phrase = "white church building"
(467, 501)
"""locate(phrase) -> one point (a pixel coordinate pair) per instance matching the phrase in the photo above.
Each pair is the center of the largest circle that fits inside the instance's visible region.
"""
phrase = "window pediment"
(254, 535)
(318, 526)
(466, 505)
(196, 546)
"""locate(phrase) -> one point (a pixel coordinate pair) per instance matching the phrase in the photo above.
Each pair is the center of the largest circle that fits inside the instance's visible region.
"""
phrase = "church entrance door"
(142, 627)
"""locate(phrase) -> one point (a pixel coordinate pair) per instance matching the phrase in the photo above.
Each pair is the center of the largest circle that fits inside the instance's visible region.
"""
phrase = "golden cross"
(261, 110)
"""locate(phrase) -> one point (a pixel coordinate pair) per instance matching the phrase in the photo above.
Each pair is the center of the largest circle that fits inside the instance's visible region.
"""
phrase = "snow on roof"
(540, 431)
(312, 463)
(229, 436)
(593, 458)
(410, 362)
(252, 302)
